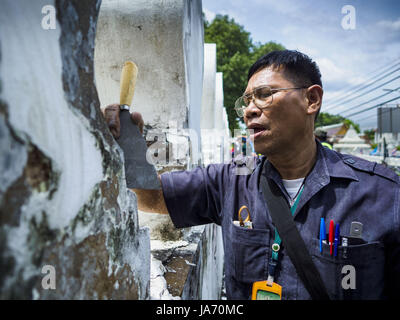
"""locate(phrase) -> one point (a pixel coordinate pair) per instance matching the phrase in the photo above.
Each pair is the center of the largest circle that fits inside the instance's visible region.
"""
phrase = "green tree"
(230, 37)
(348, 123)
(235, 54)
(259, 49)
(326, 119)
(370, 134)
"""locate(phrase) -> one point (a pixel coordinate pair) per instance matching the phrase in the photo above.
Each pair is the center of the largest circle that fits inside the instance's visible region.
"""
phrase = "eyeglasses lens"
(262, 98)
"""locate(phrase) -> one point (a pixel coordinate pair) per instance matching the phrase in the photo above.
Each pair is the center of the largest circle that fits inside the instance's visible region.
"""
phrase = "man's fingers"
(111, 114)
(138, 120)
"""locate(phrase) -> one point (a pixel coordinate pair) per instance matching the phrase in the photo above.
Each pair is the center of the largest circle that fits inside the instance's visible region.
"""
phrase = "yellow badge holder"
(262, 291)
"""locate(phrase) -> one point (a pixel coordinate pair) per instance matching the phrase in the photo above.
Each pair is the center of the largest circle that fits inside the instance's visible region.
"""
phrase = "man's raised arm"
(151, 200)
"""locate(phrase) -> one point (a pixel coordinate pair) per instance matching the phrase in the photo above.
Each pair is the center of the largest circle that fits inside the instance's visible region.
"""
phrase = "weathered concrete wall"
(186, 265)
(222, 140)
(215, 130)
(219, 101)
(193, 39)
(63, 198)
(208, 97)
(165, 40)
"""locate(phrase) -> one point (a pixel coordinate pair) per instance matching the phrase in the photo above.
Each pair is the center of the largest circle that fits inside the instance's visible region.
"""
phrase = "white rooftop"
(351, 140)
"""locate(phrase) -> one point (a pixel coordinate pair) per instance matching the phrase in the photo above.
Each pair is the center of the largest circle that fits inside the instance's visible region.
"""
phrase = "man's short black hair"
(296, 66)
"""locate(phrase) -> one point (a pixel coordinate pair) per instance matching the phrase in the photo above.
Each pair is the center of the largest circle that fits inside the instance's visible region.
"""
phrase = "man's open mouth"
(257, 129)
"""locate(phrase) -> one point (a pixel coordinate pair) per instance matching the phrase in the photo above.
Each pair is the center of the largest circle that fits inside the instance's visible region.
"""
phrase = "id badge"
(262, 291)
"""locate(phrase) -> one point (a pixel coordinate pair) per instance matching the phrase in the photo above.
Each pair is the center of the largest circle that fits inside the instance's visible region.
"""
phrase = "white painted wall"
(164, 39)
(219, 101)
(33, 90)
(55, 225)
(193, 39)
(214, 123)
(208, 97)
(213, 264)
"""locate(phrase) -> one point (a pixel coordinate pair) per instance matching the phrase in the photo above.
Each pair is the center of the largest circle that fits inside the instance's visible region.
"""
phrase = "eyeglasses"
(261, 96)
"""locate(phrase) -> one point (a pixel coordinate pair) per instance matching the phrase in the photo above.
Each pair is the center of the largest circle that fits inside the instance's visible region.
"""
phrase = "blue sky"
(346, 58)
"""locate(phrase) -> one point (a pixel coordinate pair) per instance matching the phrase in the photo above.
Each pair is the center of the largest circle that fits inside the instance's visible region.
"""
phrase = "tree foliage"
(236, 52)
(370, 134)
(326, 119)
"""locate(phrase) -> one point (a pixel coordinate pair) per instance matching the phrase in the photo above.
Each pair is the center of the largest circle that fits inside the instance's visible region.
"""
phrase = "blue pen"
(322, 234)
(337, 238)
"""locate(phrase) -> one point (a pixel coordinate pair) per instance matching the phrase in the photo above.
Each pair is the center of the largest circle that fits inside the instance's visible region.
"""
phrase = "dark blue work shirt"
(340, 187)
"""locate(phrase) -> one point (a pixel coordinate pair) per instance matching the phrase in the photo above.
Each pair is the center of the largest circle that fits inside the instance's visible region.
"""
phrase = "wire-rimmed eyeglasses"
(261, 96)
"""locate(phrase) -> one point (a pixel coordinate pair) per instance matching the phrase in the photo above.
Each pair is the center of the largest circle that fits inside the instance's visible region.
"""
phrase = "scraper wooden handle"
(127, 83)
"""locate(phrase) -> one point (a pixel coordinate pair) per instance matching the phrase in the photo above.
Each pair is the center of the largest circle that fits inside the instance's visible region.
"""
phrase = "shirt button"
(350, 161)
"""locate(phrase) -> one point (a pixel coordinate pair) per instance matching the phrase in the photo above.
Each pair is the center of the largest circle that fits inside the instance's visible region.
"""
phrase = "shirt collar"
(329, 163)
(336, 164)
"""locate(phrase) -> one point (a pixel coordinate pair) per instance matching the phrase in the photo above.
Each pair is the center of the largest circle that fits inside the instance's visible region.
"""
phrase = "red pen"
(331, 235)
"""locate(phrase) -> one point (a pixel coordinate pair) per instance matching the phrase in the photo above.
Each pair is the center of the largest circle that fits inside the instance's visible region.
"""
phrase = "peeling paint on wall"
(63, 197)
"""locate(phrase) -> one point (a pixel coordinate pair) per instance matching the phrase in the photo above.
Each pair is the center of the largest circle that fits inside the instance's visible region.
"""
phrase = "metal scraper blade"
(139, 173)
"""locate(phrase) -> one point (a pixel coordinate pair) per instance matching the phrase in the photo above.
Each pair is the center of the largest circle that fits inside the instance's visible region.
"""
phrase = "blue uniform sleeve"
(196, 197)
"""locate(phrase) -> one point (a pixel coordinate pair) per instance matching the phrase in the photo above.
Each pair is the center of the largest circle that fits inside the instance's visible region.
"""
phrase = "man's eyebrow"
(262, 86)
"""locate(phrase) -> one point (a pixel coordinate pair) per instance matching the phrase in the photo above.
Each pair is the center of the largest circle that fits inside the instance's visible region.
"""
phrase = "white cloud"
(235, 14)
(308, 50)
(232, 13)
(289, 30)
(286, 7)
(329, 95)
(210, 15)
(393, 25)
(331, 72)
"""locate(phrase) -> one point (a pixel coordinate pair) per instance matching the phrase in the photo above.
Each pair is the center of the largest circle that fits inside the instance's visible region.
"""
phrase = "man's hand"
(111, 114)
(148, 200)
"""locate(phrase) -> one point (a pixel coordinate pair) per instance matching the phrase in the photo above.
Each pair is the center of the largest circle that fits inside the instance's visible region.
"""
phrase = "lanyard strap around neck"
(278, 241)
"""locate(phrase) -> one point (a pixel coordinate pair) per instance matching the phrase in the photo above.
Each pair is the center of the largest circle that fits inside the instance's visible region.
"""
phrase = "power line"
(363, 93)
(384, 110)
(373, 99)
(357, 89)
(368, 117)
(348, 91)
(339, 95)
(370, 108)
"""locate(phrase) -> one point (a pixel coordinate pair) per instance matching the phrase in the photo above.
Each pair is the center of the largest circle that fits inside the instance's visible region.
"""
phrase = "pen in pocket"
(337, 239)
(322, 234)
(331, 236)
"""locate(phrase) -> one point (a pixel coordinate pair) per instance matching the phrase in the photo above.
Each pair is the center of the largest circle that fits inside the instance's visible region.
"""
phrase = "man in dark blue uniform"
(281, 102)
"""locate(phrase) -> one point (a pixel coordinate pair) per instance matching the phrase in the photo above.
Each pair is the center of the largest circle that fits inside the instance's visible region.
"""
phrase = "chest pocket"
(359, 275)
(250, 253)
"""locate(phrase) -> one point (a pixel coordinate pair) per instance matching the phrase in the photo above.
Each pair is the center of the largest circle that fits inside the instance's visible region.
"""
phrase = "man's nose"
(252, 111)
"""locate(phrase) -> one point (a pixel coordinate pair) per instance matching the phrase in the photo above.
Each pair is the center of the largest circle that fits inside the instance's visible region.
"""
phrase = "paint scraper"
(139, 173)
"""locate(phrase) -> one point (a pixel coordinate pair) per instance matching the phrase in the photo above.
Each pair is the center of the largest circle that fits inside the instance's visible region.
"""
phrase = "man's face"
(283, 122)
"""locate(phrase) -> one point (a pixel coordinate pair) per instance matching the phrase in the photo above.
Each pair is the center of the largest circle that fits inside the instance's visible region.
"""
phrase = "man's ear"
(314, 97)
